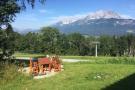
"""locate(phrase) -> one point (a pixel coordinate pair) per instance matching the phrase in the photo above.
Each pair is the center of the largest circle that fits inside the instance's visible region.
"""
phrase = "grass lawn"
(76, 76)
(65, 57)
(27, 55)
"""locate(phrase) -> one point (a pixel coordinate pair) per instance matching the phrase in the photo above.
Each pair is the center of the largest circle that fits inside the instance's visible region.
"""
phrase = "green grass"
(71, 57)
(103, 72)
(66, 57)
(28, 55)
(83, 57)
(76, 76)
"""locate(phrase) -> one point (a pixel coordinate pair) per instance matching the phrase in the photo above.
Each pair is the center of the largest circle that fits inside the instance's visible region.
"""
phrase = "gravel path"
(48, 74)
(75, 60)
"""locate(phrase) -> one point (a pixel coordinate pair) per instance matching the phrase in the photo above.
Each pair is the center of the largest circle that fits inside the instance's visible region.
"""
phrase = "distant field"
(66, 57)
(27, 55)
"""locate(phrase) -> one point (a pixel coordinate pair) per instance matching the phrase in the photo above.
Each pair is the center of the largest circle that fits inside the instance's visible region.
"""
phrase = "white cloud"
(43, 11)
(70, 17)
(126, 16)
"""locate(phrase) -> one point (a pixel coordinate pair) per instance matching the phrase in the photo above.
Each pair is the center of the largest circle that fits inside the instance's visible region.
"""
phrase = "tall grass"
(9, 74)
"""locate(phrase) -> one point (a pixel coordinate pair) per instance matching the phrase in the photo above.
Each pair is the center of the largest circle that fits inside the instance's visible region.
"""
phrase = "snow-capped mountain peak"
(103, 14)
(95, 15)
(98, 23)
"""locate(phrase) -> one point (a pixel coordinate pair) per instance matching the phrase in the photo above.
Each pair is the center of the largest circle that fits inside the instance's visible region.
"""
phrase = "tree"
(8, 11)
(131, 44)
(49, 39)
(106, 45)
(7, 43)
(29, 42)
(77, 44)
(121, 45)
(62, 44)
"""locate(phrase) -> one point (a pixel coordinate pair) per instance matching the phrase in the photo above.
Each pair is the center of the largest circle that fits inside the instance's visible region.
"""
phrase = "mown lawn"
(76, 76)
(28, 55)
(65, 57)
(71, 57)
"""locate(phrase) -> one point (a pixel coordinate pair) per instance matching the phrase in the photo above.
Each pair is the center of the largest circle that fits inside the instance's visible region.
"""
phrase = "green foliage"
(106, 45)
(50, 41)
(7, 43)
(8, 11)
(77, 44)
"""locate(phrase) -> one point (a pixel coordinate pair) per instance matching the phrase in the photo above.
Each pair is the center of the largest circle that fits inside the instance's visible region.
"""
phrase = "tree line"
(50, 41)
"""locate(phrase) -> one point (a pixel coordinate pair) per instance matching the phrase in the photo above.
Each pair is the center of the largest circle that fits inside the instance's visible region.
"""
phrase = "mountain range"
(97, 23)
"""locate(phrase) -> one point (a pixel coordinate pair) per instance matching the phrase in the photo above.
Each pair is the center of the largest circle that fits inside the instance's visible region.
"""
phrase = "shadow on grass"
(127, 83)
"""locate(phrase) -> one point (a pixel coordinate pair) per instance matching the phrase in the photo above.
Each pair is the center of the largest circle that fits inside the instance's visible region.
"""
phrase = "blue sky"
(53, 10)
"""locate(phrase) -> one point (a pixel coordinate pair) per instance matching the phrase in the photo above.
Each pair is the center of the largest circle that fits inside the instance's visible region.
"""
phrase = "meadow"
(104, 73)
